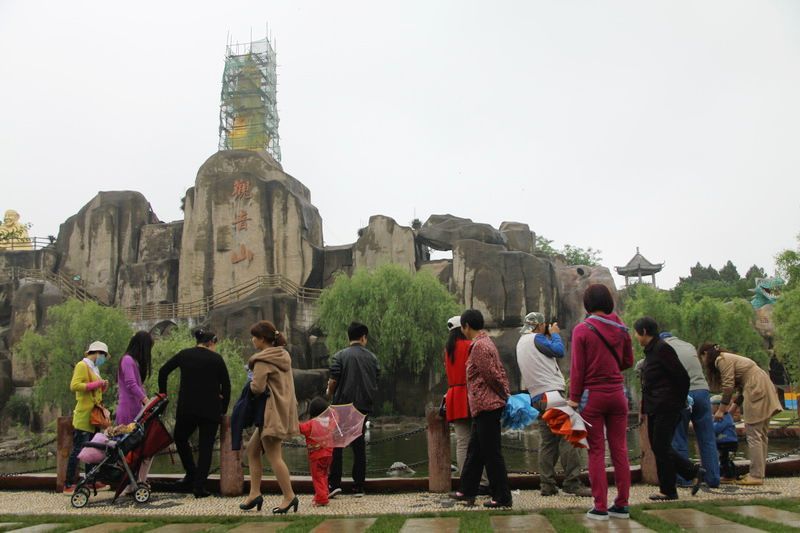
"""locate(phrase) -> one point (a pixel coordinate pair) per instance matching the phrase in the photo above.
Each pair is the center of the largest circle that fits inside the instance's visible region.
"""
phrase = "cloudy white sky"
(668, 125)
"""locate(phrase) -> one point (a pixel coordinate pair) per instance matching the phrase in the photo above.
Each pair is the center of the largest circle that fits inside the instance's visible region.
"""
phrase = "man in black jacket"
(665, 386)
(354, 379)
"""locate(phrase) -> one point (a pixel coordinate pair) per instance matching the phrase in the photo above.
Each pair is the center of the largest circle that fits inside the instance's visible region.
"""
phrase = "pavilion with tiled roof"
(637, 267)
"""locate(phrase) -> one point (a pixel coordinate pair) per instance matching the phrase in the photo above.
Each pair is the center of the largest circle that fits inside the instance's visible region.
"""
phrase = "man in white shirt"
(538, 351)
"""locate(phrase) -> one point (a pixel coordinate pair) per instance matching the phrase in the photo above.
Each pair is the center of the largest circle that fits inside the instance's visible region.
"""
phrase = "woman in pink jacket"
(601, 350)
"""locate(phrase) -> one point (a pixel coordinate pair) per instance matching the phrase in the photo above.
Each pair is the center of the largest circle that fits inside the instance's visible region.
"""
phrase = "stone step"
(38, 528)
(612, 524)
(694, 520)
(762, 512)
(344, 525)
(259, 527)
(434, 525)
(109, 527)
(515, 523)
(182, 528)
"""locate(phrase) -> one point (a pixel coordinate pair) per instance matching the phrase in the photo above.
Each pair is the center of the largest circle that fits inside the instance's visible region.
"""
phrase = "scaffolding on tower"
(248, 112)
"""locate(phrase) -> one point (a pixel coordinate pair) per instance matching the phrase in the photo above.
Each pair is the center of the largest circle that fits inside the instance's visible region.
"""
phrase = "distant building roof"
(639, 265)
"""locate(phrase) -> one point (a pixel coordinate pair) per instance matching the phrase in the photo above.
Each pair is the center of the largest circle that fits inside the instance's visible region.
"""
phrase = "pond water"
(519, 452)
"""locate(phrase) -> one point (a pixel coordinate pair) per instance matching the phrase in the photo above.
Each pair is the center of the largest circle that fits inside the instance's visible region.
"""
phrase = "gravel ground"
(165, 504)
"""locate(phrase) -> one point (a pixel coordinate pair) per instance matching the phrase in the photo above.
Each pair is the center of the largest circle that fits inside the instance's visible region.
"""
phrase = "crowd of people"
(676, 380)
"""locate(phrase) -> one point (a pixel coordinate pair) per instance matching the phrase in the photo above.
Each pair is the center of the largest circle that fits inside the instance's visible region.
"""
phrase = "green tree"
(729, 273)
(181, 338)
(579, 256)
(753, 273)
(70, 327)
(737, 332)
(787, 263)
(646, 300)
(405, 314)
(786, 316)
(545, 245)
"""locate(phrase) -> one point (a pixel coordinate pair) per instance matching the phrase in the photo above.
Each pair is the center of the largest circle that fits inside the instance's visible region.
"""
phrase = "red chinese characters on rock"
(241, 190)
(240, 195)
(244, 254)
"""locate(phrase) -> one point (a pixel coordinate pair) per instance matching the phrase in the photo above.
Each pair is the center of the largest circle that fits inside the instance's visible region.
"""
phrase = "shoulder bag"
(100, 417)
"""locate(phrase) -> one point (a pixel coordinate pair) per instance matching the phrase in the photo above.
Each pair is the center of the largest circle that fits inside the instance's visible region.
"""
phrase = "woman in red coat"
(455, 364)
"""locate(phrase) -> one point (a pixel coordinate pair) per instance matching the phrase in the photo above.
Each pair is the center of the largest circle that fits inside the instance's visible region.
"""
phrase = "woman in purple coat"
(134, 369)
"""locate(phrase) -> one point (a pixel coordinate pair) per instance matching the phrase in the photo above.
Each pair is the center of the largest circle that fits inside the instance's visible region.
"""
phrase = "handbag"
(99, 417)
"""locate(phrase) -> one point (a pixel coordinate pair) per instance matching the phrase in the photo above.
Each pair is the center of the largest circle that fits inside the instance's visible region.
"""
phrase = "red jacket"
(315, 450)
(456, 398)
(593, 365)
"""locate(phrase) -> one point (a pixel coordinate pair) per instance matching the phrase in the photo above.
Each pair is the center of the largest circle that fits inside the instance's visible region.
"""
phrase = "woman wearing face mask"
(88, 387)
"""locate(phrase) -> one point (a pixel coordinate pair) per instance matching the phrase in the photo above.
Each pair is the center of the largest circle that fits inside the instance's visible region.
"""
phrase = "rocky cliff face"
(572, 282)
(245, 217)
(382, 242)
(103, 236)
(154, 276)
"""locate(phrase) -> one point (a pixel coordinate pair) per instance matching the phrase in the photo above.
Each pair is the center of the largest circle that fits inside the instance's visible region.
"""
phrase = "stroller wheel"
(80, 498)
(142, 494)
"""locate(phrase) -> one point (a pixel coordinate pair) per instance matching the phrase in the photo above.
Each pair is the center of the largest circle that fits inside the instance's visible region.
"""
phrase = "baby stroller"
(124, 455)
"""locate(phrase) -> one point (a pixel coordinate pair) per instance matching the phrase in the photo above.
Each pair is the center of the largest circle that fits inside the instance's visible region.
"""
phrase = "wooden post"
(438, 452)
(648, 460)
(231, 474)
(63, 449)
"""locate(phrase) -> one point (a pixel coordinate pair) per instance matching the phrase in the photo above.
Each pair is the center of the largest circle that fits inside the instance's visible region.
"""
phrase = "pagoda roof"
(638, 264)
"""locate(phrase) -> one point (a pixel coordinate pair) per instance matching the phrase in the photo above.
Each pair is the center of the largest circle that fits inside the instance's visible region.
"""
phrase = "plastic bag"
(519, 413)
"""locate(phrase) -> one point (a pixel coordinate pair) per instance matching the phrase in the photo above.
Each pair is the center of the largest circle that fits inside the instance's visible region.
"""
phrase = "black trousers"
(484, 451)
(359, 447)
(726, 450)
(660, 430)
(185, 426)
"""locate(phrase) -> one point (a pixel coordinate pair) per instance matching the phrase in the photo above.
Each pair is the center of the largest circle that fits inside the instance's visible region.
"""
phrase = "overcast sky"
(672, 126)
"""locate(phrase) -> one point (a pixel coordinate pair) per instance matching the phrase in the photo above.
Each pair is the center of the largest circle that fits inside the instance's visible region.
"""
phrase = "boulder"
(154, 277)
(442, 231)
(103, 236)
(243, 218)
(518, 236)
(25, 316)
(384, 241)
(502, 284)
(572, 282)
(441, 269)
(337, 259)
(764, 324)
(308, 384)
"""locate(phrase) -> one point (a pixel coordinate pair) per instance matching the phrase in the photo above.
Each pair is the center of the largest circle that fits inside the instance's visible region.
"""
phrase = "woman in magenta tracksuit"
(601, 350)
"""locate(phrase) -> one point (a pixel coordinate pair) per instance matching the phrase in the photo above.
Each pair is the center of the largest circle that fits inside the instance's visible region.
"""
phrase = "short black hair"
(204, 336)
(317, 407)
(356, 330)
(472, 318)
(597, 297)
(646, 326)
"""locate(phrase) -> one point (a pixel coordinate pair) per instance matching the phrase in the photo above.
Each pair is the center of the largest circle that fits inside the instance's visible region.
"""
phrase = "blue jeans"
(703, 423)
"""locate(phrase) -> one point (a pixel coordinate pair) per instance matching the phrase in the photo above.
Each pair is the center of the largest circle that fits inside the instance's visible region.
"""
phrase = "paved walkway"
(359, 514)
(167, 504)
(686, 519)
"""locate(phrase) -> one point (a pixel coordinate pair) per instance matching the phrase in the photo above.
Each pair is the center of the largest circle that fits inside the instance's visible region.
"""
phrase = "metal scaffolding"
(248, 111)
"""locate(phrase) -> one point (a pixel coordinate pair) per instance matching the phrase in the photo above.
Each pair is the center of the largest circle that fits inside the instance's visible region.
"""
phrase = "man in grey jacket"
(538, 351)
(699, 413)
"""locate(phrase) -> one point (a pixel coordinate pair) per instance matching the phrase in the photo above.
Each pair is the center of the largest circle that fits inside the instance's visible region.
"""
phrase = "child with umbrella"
(329, 427)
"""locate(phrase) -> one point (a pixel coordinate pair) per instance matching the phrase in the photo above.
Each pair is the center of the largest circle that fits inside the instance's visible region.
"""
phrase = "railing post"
(63, 449)
(648, 460)
(231, 474)
(439, 479)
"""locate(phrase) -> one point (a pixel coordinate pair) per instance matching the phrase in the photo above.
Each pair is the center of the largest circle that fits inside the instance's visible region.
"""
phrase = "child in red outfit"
(319, 456)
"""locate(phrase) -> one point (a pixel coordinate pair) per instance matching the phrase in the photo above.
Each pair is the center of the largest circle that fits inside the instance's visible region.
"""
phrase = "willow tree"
(406, 314)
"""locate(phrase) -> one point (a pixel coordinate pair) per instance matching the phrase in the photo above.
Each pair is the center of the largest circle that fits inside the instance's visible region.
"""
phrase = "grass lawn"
(470, 521)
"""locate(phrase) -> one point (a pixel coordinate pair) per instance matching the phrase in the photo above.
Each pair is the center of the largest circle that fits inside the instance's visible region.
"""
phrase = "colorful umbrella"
(564, 420)
(337, 426)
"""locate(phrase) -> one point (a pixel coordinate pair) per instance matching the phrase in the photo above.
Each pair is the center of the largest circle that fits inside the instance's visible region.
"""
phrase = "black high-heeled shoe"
(255, 502)
(283, 510)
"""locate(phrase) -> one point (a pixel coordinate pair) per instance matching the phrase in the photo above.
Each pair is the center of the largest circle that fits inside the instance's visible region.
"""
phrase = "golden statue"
(13, 234)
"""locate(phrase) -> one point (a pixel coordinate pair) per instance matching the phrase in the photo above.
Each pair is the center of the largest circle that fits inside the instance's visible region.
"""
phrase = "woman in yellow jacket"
(88, 386)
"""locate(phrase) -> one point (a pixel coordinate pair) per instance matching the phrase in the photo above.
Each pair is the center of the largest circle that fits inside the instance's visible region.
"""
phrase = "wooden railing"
(164, 311)
(26, 244)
